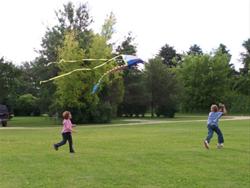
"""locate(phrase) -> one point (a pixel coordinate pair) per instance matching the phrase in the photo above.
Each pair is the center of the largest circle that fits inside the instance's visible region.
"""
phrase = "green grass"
(33, 122)
(54, 122)
(148, 156)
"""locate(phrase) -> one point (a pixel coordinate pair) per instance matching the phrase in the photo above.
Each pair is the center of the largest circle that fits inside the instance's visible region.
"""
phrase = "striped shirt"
(214, 117)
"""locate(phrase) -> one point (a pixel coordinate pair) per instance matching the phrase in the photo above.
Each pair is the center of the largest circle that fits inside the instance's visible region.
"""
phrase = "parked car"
(4, 115)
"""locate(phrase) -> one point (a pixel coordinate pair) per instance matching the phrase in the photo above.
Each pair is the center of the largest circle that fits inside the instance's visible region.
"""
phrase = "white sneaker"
(206, 144)
(220, 146)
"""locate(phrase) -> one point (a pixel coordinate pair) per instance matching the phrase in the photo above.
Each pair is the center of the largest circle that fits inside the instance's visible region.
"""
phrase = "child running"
(66, 132)
(213, 126)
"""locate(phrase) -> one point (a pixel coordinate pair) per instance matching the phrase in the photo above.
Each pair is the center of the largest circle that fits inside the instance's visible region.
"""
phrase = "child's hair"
(214, 108)
(66, 114)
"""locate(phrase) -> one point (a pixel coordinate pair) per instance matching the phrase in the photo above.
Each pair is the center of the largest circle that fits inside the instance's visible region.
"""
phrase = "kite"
(129, 60)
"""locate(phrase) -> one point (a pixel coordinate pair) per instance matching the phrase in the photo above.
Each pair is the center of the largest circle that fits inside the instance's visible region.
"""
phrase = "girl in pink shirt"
(66, 132)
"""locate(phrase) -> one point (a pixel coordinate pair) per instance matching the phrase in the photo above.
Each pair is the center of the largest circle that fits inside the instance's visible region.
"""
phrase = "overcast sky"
(153, 23)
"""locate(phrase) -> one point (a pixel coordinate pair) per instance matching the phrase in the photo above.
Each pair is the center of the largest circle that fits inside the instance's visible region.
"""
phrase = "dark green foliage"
(246, 58)
(10, 83)
(205, 80)
(239, 103)
(162, 87)
(195, 50)
(127, 46)
(136, 97)
(135, 100)
(113, 93)
(101, 114)
(167, 110)
(69, 18)
(169, 56)
(27, 105)
(240, 84)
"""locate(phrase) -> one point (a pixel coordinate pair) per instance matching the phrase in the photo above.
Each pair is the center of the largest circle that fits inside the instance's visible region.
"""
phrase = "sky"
(153, 23)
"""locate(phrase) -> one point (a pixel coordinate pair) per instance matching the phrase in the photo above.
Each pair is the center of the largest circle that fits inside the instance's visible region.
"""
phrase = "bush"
(239, 103)
(27, 105)
(102, 114)
(131, 109)
(166, 111)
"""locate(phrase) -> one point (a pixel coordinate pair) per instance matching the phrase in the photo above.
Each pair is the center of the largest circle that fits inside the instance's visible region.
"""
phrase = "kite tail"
(107, 61)
(82, 69)
(66, 74)
(96, 86)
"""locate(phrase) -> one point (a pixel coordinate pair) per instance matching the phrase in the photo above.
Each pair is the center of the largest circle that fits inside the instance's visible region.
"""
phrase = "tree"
(195, 50)
(71, 88)
(108, 26)
(112, 89)
(162, 86)
(205, 79)
(10, 83)
(245, 56)
(69, 18)
(136, 98)
(240, 96)
(127, 46)
(27, 105)
(135, 95)
(74, 91)
(169, 56)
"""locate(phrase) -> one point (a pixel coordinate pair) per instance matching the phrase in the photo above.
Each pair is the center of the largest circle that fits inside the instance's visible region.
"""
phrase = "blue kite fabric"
(131, 60)
(95, 88)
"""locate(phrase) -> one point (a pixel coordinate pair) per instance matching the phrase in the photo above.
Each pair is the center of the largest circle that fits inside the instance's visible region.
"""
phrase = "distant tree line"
(171, 82)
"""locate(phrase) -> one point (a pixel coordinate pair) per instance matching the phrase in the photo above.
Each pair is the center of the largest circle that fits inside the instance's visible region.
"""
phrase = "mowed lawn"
(149, 156)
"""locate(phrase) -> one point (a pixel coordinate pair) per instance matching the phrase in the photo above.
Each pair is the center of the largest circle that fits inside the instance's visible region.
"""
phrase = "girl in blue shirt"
(213, 126)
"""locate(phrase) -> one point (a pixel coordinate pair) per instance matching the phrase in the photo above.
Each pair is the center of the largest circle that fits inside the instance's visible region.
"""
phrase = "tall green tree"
(241, 84)
(245, 57)
(71, 88)
(162, 87)
(69, 18)
(169, 55)
(108, 26)
(112, 89)
(135, 100)
(127, 46)
(136, 97)
(74, 91)
(205, 79)
(27, 105)
(195, 50)
(10, 83)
